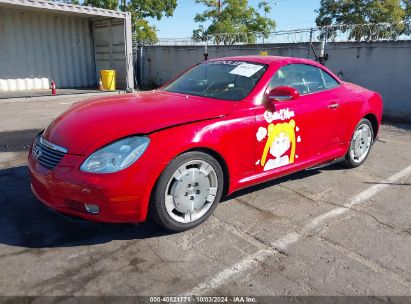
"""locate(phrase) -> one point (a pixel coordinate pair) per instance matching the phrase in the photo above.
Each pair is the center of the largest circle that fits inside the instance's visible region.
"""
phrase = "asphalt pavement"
(331, 231)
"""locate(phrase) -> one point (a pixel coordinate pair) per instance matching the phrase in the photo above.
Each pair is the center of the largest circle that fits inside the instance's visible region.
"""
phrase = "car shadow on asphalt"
(400, 124)
(294, 176)
(16, 141)
(25, 222)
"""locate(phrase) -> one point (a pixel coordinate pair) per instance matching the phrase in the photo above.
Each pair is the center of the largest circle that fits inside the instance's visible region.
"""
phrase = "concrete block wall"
(384, 66)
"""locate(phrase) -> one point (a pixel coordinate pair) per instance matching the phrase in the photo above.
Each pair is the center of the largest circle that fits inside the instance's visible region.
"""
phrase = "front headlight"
(116, 156)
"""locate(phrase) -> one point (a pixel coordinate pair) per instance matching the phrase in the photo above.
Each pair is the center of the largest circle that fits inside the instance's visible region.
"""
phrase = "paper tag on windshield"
(246, 69)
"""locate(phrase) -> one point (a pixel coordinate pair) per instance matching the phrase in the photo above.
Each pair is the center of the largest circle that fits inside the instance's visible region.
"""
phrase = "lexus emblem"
(37, 152)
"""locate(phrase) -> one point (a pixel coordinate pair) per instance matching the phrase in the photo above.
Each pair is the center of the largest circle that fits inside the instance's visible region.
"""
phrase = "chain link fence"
(312, 43)
(333, 33)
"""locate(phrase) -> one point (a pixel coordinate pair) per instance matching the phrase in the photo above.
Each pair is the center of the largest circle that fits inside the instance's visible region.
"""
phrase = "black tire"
(349, 161)
(157, 209)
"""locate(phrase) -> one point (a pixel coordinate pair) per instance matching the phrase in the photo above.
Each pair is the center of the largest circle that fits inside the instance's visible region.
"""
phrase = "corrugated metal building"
(41, 41)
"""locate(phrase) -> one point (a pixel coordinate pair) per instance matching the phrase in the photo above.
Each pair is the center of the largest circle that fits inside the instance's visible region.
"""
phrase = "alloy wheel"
(361, 143)
(191, 191)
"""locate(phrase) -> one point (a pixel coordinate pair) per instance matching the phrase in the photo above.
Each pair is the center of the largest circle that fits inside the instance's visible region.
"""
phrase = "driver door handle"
(334, 105)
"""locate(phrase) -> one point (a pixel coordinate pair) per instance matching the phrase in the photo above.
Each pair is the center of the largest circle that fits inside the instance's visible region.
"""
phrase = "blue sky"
(289, 14)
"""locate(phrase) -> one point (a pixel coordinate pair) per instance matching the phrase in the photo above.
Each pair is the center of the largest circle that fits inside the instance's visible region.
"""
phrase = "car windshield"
(224, 79)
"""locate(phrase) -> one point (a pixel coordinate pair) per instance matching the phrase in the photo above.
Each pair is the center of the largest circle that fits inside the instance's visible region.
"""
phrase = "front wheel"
(360, 145)
(187, 192)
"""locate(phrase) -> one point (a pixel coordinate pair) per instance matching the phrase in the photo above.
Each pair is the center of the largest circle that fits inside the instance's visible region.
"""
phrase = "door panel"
(296, 131)
(293, 132)
(279, 133)
(322, 120)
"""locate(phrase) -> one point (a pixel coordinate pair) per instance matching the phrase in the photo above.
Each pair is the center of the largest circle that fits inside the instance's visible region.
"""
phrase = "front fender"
(230, 137)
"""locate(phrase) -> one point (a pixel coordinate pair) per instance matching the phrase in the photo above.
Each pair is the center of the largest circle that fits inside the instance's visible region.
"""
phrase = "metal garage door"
(36, 48)
(110, 48)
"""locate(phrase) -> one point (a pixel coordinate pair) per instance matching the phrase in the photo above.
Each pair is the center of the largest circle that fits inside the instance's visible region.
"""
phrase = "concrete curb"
(57, 97)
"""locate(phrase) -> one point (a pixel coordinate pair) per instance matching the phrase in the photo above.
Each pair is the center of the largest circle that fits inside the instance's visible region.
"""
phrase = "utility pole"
(264, 5)
(219, 8)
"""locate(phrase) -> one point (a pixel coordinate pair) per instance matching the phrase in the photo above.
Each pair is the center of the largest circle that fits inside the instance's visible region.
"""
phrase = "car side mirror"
(283, 93)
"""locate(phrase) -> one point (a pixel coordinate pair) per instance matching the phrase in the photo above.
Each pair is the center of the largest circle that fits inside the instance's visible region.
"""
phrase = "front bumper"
(122, 197)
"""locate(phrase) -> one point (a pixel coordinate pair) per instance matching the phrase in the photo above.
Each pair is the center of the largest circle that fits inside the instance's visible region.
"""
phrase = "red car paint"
(175, 123)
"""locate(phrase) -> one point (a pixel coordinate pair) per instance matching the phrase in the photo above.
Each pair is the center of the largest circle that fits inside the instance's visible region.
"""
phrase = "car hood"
(91, 124)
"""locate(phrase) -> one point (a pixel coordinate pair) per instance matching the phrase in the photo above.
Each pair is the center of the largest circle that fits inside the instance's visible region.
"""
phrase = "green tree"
(140, 9)
(352, 12)
(233, 21)
(108, 4)
(407, 7)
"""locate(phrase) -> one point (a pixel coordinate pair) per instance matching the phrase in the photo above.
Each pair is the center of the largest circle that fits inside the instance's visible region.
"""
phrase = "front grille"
(73, 205)
(47, 154)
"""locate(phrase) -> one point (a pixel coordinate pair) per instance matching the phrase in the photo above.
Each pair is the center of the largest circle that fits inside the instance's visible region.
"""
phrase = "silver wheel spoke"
(213, 191)
(206, 168)
(211, 195)
(210, 198)
(169, 203)
(187, 217)
(179, 173)
(364, 133)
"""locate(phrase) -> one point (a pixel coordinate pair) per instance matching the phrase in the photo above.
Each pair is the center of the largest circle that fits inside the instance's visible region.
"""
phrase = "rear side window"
(305, 78)
(329, 81)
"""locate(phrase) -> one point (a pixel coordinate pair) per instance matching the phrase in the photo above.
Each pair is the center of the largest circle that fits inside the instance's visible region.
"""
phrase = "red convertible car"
(224, 125)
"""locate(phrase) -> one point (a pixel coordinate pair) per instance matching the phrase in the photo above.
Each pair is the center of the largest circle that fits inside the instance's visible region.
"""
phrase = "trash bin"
(108, 78)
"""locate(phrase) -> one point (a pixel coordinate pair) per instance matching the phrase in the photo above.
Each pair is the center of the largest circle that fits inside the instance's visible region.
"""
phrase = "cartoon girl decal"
(281, 137)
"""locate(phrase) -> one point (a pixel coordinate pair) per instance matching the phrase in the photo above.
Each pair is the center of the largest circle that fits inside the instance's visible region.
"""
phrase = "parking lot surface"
(330, 231)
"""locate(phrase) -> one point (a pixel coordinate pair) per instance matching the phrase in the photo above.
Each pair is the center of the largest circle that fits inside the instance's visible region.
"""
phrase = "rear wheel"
(187, 192)
(361, 143)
